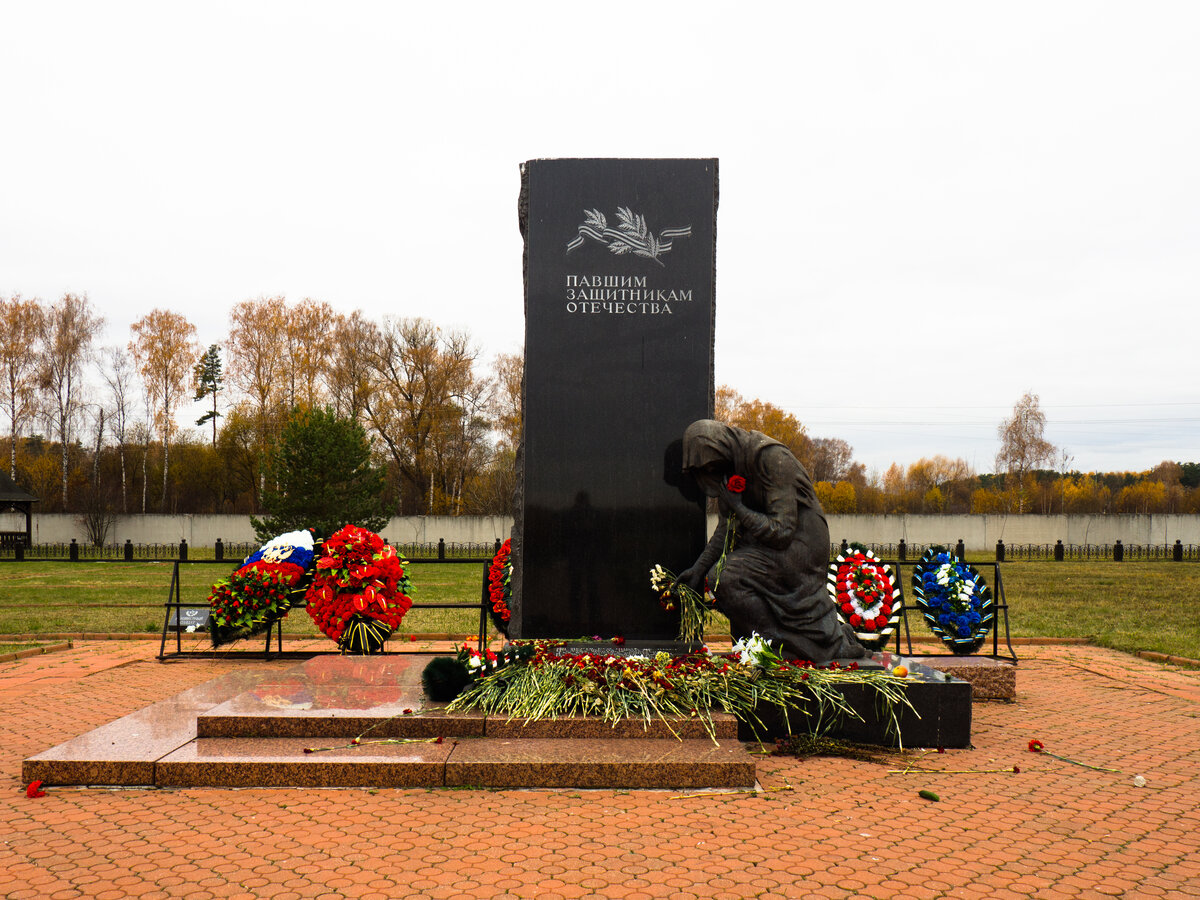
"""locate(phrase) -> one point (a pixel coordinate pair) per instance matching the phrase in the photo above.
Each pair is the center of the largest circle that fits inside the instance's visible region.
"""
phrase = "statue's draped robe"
(774, 577)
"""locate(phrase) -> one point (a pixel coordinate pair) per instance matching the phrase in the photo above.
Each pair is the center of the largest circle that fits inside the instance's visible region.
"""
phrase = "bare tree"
(20, 325)
(1023, 446)
(423, 388)
(348, 376)
(506, 406)
(255, 356)
(68, 331)
(830, 459)
(164, 346)
(97, 516)
(255, 353)
(118, 374)
(307, 337)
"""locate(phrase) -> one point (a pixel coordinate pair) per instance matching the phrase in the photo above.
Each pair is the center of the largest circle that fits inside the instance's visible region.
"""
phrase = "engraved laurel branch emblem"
(630, 236)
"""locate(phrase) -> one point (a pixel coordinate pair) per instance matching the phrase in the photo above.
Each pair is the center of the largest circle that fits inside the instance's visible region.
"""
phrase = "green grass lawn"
(16, 648)
(37, 597)
(1125, 606)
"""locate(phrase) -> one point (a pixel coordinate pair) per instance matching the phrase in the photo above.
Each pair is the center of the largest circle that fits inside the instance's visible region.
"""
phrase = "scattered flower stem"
(916, 769)
(1077, 762)
(773, 790)
(360, 743)
(1036, 746)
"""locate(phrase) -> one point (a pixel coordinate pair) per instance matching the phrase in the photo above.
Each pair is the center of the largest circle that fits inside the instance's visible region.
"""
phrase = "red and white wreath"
(867, 595)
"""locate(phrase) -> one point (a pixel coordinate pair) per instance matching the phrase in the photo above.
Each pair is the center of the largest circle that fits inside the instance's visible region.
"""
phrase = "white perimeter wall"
(978, 532)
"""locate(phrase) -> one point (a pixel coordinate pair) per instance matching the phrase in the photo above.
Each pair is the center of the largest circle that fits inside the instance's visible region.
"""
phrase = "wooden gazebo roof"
(12, 494)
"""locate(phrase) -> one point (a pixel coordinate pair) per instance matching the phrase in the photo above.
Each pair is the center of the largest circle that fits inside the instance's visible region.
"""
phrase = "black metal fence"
(1056, 552)
(452, 551)
(455, 551)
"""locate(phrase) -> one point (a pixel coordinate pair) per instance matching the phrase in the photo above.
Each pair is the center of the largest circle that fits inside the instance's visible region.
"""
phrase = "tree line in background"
(1026, 480)
(94, 430)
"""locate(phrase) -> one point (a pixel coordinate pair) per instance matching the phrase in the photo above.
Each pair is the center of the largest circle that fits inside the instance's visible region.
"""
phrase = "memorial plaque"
(619, 303)
(190, 619)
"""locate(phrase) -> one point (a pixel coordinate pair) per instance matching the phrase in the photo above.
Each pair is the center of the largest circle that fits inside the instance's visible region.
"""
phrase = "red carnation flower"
(736, 484)
(34, 790)
(1036, 746)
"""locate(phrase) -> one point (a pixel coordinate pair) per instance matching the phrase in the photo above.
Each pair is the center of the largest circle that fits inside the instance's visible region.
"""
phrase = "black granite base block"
(940, 717)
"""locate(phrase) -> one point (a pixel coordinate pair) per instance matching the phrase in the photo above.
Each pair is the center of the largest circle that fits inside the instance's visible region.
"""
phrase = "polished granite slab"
(618, 362)
(124, 751)
(607, 763)
(282, 762)
(250, 728)
(339, 697)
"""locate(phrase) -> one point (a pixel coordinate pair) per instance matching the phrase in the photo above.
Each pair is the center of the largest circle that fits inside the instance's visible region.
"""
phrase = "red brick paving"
(845, 829)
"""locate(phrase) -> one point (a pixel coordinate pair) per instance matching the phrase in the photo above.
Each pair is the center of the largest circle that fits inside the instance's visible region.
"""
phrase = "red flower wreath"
(500, 587)
(360, 592)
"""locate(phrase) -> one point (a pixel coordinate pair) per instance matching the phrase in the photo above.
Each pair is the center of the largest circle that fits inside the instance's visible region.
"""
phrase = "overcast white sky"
(926, 208)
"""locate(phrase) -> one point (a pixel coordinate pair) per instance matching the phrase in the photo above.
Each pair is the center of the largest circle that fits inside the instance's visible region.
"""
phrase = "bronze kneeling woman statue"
(773, 581)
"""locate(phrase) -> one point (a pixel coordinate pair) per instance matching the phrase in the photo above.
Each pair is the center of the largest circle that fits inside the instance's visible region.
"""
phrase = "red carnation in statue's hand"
(736, 484)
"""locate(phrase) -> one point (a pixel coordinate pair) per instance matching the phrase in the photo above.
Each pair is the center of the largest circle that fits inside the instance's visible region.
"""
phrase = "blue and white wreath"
(956, 603)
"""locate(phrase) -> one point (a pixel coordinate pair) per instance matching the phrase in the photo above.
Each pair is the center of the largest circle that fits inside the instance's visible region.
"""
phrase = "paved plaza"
(826, 827)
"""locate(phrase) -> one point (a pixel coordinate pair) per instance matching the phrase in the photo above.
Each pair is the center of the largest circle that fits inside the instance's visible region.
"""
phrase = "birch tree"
(67, 334)
(164, 347)
(118, 375)
(20, 325)
(1023, 446)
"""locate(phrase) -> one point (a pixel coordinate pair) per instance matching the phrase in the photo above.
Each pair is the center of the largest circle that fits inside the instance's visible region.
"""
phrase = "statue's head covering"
(737, 451)
(707, 441)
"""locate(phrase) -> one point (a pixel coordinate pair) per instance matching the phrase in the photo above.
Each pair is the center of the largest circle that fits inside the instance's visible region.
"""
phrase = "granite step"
(471, 762)
(239, 718)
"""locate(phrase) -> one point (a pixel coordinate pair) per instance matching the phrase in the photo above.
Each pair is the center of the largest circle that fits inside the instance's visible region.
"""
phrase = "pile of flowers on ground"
(360, 592)
(867, 595)
(259, 592)
(500, 586)
(954, 599)
(537, 680)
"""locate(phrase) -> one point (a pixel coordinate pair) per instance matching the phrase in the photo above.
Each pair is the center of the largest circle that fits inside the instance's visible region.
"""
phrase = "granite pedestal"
(990, 679)
(251, 729)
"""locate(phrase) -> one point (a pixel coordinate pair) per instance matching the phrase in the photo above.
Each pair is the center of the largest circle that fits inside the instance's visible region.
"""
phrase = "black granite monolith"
(619, 304)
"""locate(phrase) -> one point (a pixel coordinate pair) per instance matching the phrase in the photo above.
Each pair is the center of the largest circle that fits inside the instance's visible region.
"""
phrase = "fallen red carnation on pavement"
(34, 790)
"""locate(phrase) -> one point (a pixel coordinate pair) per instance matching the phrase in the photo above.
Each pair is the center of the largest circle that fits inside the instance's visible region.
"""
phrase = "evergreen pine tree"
(320, 476)
(209, 380)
